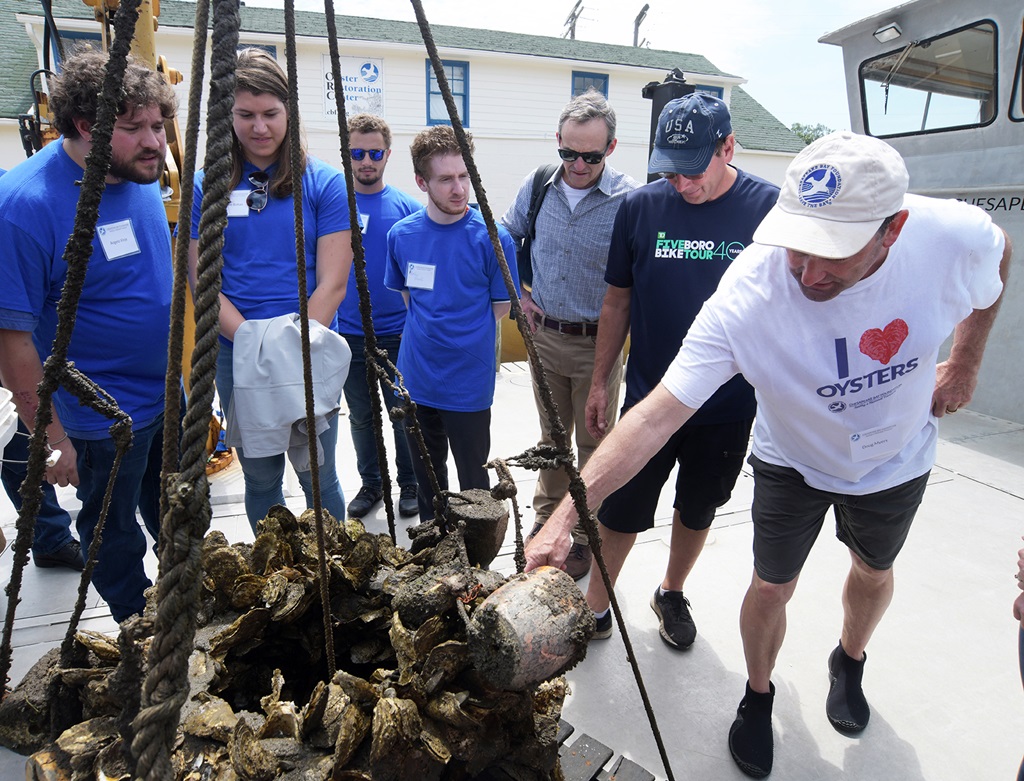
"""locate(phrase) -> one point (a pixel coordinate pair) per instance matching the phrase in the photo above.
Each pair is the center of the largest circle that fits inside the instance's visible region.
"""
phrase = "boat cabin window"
(941, 83)
(1017, 98)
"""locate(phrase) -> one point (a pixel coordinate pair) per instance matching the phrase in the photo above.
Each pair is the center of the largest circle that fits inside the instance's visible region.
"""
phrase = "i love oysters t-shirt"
(844, 386)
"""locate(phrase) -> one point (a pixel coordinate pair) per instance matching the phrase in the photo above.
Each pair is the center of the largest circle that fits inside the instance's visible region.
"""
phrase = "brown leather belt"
(572, 329)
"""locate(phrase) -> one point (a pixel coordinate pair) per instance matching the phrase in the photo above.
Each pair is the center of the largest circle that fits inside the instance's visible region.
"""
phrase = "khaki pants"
(568, 365)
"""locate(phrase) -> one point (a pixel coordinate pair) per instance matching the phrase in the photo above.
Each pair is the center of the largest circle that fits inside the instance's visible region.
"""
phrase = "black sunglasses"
(375, 154)
(257, 199)
(590, 158)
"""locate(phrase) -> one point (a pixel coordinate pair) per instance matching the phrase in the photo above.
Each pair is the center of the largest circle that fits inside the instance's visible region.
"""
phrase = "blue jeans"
(53, 525)
(264, 477)
(357, 396)
(120, 577)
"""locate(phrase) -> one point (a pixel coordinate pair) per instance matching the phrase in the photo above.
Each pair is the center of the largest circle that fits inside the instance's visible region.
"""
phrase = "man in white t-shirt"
(835, 315)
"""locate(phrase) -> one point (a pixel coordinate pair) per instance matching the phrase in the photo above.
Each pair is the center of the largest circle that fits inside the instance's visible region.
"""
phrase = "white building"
(510, 87)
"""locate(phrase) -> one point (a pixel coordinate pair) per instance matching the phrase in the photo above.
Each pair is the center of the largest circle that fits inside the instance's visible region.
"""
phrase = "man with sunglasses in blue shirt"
(380, 206)
(568, 255)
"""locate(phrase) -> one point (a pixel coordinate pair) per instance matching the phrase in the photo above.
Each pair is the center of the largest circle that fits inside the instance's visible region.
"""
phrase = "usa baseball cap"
(836, 194)
(688, 129)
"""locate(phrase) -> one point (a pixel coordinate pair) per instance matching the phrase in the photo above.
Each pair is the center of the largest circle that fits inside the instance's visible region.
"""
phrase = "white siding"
(514, 106)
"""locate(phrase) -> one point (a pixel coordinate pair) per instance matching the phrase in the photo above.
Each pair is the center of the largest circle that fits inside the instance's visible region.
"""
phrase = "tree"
(809, 133)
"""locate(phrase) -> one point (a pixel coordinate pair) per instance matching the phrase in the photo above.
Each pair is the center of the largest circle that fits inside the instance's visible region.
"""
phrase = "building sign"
(363, 84)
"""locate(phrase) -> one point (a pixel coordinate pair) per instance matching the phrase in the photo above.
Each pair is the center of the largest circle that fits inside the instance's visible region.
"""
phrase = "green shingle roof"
(17, 60)
(755, 127)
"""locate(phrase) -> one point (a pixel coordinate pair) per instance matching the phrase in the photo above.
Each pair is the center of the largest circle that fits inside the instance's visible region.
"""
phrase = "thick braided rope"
(66, 710)
(577, 488)
(121, 432)
(76, 254)
(370, 350)
(295, 143)
(175, 349)
(166, 685)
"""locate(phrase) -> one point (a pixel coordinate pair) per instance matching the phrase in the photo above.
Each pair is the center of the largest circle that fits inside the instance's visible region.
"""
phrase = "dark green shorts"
(788, 515)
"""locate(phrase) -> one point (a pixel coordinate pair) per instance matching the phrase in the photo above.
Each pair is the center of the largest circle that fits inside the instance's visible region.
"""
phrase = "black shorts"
(710, 459)
(788, 515)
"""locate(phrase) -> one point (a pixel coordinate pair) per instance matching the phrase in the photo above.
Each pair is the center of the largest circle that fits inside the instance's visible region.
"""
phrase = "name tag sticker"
(118, 239)
(420, 276)
(874, 443)
(364, 222)
(237, 207)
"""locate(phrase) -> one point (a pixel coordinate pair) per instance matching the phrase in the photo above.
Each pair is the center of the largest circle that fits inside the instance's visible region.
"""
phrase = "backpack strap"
(538, 190)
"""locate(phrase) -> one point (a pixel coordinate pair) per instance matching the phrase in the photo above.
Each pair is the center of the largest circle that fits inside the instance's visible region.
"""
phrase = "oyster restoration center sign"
(362, 82)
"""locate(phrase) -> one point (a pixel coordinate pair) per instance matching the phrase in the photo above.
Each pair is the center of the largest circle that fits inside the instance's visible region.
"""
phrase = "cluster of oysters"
(424, 688)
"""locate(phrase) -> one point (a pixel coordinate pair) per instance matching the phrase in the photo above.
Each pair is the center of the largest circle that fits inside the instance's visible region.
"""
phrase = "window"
(269, 48)
(1017, 98)
(71, 38)
(942, 83)
(582, 81)
(457, 74)
(718, 92)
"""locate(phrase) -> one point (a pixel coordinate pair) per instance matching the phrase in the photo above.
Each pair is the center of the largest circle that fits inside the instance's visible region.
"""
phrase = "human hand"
(65, 470)
(1018, 603)
(954, 387)
(597, 405)
(530, 309)
(549, 547)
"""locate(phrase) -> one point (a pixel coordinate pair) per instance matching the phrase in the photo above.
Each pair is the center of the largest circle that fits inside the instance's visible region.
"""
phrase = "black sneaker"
(408, 505)
(603, 630)
(676, 625)
(750, 737)
(365, 501)
(69, 556)
(846, 706)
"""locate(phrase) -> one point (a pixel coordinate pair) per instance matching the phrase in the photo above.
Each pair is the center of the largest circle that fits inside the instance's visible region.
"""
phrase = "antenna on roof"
(570, 22)
(638, 21)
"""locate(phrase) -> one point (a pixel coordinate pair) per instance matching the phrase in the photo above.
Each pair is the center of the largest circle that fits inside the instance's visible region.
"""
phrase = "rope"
(577, 488)
(175, 349)
(379, 368)
(506, 489)
(188, 517)
(371, 353)
(56, 369)
(307, 364)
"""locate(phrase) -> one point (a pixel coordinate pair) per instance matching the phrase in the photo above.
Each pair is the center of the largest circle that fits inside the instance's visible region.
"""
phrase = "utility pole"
(570, 21)
(638, 21)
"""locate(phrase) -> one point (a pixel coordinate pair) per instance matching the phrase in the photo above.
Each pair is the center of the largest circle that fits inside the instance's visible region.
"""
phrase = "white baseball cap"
(836, 194)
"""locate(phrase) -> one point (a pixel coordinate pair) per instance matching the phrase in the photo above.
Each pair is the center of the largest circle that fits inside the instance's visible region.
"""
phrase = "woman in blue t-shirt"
(259, 276)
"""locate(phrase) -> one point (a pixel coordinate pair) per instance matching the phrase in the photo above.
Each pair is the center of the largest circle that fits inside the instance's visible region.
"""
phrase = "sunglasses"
(375, 154)
(590, 158)
(257, 199)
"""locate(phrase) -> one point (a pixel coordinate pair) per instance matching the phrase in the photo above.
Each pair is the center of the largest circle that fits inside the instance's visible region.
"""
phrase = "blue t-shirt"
(123, 320)
(377, 213)
(452, 276)
(259, 275)
(673, 254)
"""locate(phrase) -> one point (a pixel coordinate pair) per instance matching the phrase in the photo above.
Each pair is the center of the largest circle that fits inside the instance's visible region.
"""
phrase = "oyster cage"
(445, 669)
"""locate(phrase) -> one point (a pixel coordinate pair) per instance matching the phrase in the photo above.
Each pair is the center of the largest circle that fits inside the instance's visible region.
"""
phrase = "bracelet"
(51, 444)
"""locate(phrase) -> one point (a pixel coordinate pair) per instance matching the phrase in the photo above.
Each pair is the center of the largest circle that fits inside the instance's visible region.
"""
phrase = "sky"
(773, 45)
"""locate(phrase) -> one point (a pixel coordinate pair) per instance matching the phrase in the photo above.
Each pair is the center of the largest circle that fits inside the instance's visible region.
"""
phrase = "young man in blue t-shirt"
(380, 207)
(123, 319)
(442, 261)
